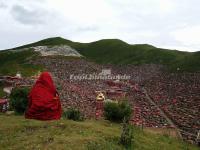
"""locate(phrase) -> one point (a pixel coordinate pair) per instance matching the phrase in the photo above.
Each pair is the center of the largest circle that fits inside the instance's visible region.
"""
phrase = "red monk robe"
(44, 102)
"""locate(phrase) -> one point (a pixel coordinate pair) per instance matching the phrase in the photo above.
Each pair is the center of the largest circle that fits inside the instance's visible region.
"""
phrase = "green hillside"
(114, 51)
(20, 134)
(2, 94)
(14, 61)
(47, 42)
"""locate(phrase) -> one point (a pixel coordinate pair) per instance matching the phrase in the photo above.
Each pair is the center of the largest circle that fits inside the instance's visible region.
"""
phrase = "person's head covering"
(46, 81)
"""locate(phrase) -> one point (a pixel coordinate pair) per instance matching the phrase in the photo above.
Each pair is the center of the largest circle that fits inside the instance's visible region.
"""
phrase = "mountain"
(47, 42)
(115, 51)
(106, 51)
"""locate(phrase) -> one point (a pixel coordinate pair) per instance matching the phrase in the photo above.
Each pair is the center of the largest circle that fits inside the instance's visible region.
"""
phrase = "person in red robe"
(44, 102)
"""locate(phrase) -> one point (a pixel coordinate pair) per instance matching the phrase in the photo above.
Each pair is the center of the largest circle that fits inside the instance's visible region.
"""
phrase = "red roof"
(3, 101)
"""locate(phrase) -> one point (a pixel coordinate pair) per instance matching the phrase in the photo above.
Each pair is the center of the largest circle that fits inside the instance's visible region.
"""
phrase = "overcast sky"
(171, 24)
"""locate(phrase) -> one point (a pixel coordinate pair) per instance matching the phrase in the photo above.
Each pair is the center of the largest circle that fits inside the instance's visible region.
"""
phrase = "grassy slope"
(118, 52)
(18, 133)
(115, 51)
(47, 42)
(14, 61)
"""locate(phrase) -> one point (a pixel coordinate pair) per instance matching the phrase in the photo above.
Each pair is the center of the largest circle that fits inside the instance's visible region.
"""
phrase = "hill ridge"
(116, 51)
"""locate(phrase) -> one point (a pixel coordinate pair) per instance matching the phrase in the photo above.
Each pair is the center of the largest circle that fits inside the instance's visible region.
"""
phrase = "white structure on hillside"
(18, 75)
(63, 50)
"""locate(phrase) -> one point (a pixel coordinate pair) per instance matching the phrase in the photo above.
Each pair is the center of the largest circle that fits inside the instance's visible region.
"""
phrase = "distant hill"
(47, 42)
(115, 51)
(13, 61)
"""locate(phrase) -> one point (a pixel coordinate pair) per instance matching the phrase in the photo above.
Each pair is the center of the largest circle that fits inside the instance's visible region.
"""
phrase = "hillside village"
(99, 75)
(171, 103)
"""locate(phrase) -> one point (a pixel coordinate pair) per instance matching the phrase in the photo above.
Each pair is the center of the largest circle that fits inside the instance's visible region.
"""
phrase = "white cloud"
(163, 23)
(26, 16)
(188, 36)
(87, 12)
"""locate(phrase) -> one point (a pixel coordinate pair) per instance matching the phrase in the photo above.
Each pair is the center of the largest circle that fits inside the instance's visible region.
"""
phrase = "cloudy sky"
(171, 24)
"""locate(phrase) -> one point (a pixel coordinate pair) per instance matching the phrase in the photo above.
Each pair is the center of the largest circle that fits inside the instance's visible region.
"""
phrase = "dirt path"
(162, 112)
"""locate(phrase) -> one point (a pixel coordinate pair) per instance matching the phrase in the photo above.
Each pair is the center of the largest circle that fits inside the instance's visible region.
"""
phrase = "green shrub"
(117, 111)
(126, 138)
(2, 93)
(73, 114)
(19, 99)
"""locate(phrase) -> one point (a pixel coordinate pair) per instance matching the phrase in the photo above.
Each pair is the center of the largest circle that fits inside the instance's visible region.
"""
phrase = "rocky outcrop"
(63, 50)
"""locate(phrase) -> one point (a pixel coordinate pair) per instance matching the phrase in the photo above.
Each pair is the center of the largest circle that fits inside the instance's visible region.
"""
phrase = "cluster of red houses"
(3, 105)
(9, 82)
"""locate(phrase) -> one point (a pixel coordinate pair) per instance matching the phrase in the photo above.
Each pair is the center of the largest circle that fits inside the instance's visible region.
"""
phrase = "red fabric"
(44, 102)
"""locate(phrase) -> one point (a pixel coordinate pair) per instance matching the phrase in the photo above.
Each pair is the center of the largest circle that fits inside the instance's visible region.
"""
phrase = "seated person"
(44, 102)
